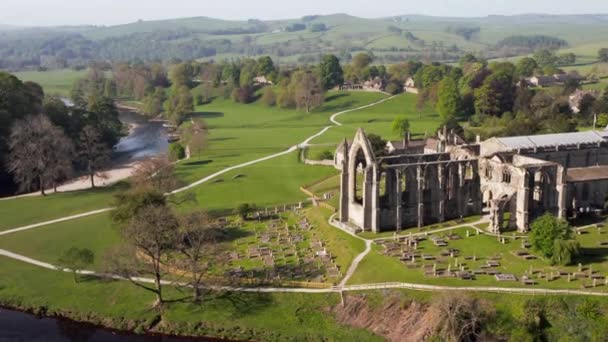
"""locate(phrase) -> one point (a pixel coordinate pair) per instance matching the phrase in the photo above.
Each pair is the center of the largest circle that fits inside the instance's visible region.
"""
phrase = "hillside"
(292, 41)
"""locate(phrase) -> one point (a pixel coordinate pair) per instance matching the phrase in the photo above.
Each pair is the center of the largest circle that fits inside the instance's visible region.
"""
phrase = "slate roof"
(550, 140)
(584, 174)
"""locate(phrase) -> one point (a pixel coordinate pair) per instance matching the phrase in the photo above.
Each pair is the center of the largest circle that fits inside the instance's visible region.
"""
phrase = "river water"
(145, 139)
(18, 326)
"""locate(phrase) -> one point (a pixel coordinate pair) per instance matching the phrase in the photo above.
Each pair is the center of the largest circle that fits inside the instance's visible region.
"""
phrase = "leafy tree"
(448, 103)
(526, 67)
(545, 230)
(93, 151)
(129, 203)
(244, 209)
(545, 57)
(269, 98)
(497, 94)
(361, 60)
(154, 174)
(177, 151)
(394, 87)
(179, 104)
(566, 59)
(564, 251)
(153, 103)
(40, 153)
(330, 72)
(265, 66)
(377, 144)
(602, 120)
(602, 55)
(401, 125)
(76, 259)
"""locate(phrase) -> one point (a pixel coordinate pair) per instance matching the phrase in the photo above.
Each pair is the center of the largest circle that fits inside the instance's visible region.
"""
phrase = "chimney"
(478, 139)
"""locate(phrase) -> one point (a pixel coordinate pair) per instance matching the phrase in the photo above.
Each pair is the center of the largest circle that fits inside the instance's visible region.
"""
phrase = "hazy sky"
(109, 12)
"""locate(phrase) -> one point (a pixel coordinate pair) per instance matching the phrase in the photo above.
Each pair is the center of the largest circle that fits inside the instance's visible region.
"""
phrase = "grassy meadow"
(54, 82)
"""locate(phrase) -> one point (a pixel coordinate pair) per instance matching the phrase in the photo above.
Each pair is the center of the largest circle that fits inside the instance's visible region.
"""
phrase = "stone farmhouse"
(513, 179)
(547, 81)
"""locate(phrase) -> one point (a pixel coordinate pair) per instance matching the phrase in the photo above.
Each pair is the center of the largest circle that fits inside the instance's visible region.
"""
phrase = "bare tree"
(40, 153)
(93, 151)
(196, 136)
(200, 246)
(309, 92)
(149, 238)
(155, 173)
(460, 317)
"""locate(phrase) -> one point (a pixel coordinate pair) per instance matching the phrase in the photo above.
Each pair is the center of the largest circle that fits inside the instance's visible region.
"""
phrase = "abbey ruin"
(412, 183)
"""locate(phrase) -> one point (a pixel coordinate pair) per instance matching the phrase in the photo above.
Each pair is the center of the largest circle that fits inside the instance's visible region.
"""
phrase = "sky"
(113, 12)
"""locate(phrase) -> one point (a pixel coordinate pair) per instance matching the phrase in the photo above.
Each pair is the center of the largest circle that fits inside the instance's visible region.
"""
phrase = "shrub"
(394, 87)
(177, 151)
(269, 98)
(545, 230)
(242, 94)
(324, 155)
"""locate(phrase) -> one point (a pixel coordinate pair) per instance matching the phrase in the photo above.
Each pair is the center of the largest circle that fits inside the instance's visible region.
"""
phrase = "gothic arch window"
(506, 176)
(489, 172)
(468, 171)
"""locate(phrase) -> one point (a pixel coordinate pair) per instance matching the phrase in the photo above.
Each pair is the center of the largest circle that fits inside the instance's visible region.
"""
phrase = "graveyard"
(470, 256)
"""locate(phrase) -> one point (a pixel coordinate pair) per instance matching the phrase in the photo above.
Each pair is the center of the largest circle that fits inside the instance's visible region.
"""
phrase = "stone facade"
(516, 179)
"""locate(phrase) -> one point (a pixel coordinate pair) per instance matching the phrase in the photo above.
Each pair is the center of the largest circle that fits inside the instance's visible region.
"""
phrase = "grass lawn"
(378, 267)
(273, 182)
(242, 132)
(47, 243)
(54, 82)
(378, 120)
(29, 210)
(262, 317)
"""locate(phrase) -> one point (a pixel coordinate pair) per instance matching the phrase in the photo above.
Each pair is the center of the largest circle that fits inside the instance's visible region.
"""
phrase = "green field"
(34, 209)
(118, 304)
(55, 82)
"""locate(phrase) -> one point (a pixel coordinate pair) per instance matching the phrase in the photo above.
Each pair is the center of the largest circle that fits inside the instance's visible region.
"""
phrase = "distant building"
(410, 86)
(377, 84)
(261, 80)
(575, 100)
(548, 81)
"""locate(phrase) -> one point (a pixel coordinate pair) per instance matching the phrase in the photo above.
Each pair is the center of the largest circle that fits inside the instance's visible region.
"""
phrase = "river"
(146, 138)
(18, 326)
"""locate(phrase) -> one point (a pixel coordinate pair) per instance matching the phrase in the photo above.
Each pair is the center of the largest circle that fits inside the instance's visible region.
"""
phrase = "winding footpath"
(342, 286)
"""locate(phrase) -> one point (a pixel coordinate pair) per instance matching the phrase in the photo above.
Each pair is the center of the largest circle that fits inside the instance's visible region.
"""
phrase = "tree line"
(43, 141)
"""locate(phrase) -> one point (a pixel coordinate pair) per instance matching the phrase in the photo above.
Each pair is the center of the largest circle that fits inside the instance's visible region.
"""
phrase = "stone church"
(412, 183)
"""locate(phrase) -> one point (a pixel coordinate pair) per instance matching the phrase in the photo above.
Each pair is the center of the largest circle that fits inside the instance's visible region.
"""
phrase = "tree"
(461, 317)
(401, 125)
(564, 251)
(378, 144)
(129, 203)
(545, 230)
(200, 247)
(269, 98)
(179, 104)
(93, 151)
(153, 103)
(602, 55)
(148, 238)
(177, 151)
(265, 66)
(545, 57)
(308, 91)
(526, 67)
(394, 87)
(448, 103)
(195, 136)
(244, 209)
(602, 120)
(330, 72)
(361, 60)
(497, 94)
(154, 174)
(40, 153)
(76, 259)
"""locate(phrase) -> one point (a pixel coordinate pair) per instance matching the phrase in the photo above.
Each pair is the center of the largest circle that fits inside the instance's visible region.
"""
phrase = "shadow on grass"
(207, 115)
(339, 107)
(335, 97)
(238, 303)
(222, 139)
(593, 255)
(235, 233)
(198, 163)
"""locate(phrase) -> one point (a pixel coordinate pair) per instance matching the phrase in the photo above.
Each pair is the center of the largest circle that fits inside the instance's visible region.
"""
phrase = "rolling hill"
(288, 41)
